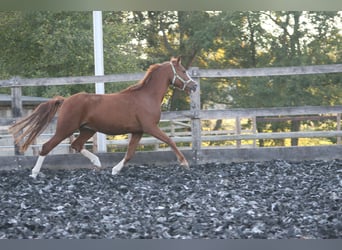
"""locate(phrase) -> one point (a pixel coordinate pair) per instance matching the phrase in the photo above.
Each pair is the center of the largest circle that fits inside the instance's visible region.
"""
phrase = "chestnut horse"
(135, 110)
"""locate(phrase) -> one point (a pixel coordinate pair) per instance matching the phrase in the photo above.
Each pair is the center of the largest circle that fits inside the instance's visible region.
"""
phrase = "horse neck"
(157, 86)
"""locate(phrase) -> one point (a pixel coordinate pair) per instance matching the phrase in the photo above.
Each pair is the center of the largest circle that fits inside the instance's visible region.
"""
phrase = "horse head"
(181, 78)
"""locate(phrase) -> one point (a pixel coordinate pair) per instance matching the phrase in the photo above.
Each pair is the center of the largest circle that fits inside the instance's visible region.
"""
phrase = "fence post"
(254, 129)
(338, 125)
(238, 130)
(195, 107)
(17, 107)
(101, 141)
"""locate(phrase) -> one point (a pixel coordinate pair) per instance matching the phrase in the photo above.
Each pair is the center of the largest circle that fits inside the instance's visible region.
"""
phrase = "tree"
(172, 33)
(295, 38)
(53, 44)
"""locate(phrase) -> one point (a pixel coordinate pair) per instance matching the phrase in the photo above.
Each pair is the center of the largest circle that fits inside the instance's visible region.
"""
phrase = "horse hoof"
(96, 169)
(34, 176)
(185, 165)
(96, 162)
(115, 172)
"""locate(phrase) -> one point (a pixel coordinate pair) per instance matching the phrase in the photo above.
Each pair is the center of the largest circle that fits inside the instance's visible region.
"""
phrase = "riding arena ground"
(269, 200)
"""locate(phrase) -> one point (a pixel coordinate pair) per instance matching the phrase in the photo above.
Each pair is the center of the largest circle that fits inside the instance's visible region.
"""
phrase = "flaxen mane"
(143, 81)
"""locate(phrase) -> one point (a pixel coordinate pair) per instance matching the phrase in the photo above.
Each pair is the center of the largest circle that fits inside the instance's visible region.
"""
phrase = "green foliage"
(51, 44)
(264, 39)
(56, 44)
(172, 33)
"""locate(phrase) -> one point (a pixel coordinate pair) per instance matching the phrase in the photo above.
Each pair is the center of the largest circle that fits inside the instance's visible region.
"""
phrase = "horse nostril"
(193, 89)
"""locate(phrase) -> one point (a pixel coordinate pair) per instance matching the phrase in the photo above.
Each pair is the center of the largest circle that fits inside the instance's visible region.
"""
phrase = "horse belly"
(112, 114)
(115, 121)
(118, 128)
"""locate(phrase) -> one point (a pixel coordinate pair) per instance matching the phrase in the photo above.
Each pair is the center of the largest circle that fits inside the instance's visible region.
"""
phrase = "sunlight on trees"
(53, 44)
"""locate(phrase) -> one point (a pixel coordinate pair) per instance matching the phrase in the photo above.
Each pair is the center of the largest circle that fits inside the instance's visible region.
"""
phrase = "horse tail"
(30, 127)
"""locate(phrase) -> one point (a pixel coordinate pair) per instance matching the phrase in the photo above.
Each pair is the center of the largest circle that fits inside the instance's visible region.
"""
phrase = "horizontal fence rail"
(181, 120)
(194, 72)
(20, 82)
(186, 126)
(250, 112)
(273, 71)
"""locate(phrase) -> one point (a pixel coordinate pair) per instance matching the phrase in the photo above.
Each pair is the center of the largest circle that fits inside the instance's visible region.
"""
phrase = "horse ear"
(179, 59)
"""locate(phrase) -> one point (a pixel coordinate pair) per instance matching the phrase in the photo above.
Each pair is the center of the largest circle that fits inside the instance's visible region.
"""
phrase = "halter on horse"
(135, 110)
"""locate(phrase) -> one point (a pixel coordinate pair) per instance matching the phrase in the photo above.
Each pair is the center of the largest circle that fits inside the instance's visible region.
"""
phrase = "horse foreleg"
(159, 134)
(117, 168)
(133, 143)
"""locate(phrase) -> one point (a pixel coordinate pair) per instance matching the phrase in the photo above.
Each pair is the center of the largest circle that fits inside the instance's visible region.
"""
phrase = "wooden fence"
(194, 116)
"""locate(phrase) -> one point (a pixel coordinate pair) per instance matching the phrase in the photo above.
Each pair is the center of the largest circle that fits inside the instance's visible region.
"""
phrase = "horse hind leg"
(37, 166)
(46, 149)
(78, 145)
(92, 157)
(133, 143)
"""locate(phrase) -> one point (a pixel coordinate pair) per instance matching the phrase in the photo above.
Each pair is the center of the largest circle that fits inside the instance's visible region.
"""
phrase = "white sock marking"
(93, 158)
(116, 169)
(36, 168)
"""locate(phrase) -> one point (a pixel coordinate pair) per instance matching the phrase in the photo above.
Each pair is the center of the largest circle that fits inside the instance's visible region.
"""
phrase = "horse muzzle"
(191, 88)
